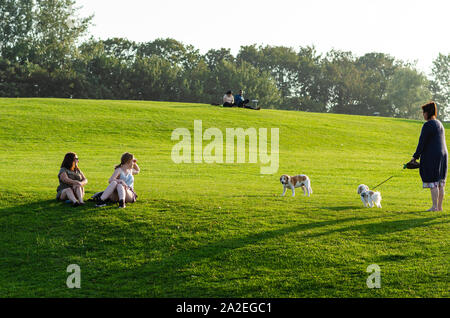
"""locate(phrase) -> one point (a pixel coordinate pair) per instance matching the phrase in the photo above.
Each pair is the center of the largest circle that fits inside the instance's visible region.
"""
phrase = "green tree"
(377, 70)
(177, 53)
(16, 22)
(56, 32)
(40, 40)
(120, 48)
(279, 61)
(193, 83)
(257, 84)
(214, 57)
(407, 90)
(345, 82)
(104, 71)
(440, 84)
(312, 87)
(155, 78)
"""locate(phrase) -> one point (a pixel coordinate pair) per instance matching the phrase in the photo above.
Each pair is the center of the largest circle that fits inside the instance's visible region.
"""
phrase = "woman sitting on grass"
(71, 181)
(228, 99)
(121, 183)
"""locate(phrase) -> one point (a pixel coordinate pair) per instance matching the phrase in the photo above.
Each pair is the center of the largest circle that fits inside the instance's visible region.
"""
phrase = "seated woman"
(228, 100)
(71, 181)
(121, 183)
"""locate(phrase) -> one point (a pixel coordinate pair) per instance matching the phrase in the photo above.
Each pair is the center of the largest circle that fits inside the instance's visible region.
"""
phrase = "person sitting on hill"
(71, 181)
(241, 102)
(121, 183)
(228, 100)
(239, 99)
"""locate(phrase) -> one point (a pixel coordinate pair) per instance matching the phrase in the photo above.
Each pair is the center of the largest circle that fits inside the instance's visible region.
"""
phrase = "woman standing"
(432, 151)
(71, 181)
(121, 183)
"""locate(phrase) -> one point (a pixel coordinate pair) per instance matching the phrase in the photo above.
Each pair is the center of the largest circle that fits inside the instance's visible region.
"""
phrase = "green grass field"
(214, 230)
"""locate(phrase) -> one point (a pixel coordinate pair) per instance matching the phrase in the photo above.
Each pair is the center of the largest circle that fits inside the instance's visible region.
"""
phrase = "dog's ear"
(361, 188)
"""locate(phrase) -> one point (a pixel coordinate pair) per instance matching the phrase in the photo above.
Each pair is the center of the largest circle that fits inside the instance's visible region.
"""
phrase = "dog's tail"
(308, 186)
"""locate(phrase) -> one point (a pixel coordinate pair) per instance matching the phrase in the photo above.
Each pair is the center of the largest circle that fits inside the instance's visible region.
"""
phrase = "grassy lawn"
(214, 230)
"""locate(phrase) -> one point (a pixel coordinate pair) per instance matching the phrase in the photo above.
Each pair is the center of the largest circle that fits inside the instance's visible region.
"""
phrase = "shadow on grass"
(169, 272)
(341, 208)
(255, 196)
(392, 258)
(164, 270)
(172, 271)
(53, 205)
(382, 227)
(44, 206)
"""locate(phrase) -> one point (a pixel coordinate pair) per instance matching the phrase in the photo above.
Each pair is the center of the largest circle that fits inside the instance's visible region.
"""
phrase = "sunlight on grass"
(214, 230)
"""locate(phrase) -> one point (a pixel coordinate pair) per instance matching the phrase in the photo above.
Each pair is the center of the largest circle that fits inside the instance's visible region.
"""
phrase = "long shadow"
(43, 206)
(52, 205)
(342, 208)
(168, 271)
(164, 270)
(38, 217)
(382, 227)
(179, 260)
(255, 196)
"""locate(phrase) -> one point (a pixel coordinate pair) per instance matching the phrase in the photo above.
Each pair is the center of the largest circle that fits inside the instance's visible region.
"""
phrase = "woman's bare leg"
(79, 193)
(434, 198)
(441, 197)
(125, 195)
(121, 192)
(68, 194)
(129, 198)
(108, 191)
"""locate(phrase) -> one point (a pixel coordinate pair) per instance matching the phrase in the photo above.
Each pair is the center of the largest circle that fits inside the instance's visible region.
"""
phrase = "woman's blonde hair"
(124, 159)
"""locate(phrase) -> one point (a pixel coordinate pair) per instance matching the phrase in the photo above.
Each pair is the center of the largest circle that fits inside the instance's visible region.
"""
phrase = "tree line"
(45, 51)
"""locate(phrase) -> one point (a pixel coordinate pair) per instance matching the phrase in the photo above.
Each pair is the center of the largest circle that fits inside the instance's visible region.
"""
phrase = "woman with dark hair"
(121, 183)
(432, 152)
(228, 99)
(71, 180)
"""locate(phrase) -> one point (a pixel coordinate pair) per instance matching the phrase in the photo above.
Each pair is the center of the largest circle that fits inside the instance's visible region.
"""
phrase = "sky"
(410, 30)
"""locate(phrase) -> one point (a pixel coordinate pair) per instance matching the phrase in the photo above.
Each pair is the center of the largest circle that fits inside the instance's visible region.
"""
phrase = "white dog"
(369, 198)
(296, 182)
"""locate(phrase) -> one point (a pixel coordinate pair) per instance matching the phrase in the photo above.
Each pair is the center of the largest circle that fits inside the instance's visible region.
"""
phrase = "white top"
(228, 99)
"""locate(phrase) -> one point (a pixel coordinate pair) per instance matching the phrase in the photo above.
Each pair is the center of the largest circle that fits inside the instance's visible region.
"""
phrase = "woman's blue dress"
(432, 152)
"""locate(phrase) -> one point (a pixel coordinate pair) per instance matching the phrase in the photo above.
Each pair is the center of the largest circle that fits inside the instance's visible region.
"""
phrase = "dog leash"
(383, 182)
(405, 166)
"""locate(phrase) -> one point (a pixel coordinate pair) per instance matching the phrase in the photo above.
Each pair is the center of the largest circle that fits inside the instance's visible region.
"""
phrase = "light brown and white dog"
(369, 198)
(298, 181)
